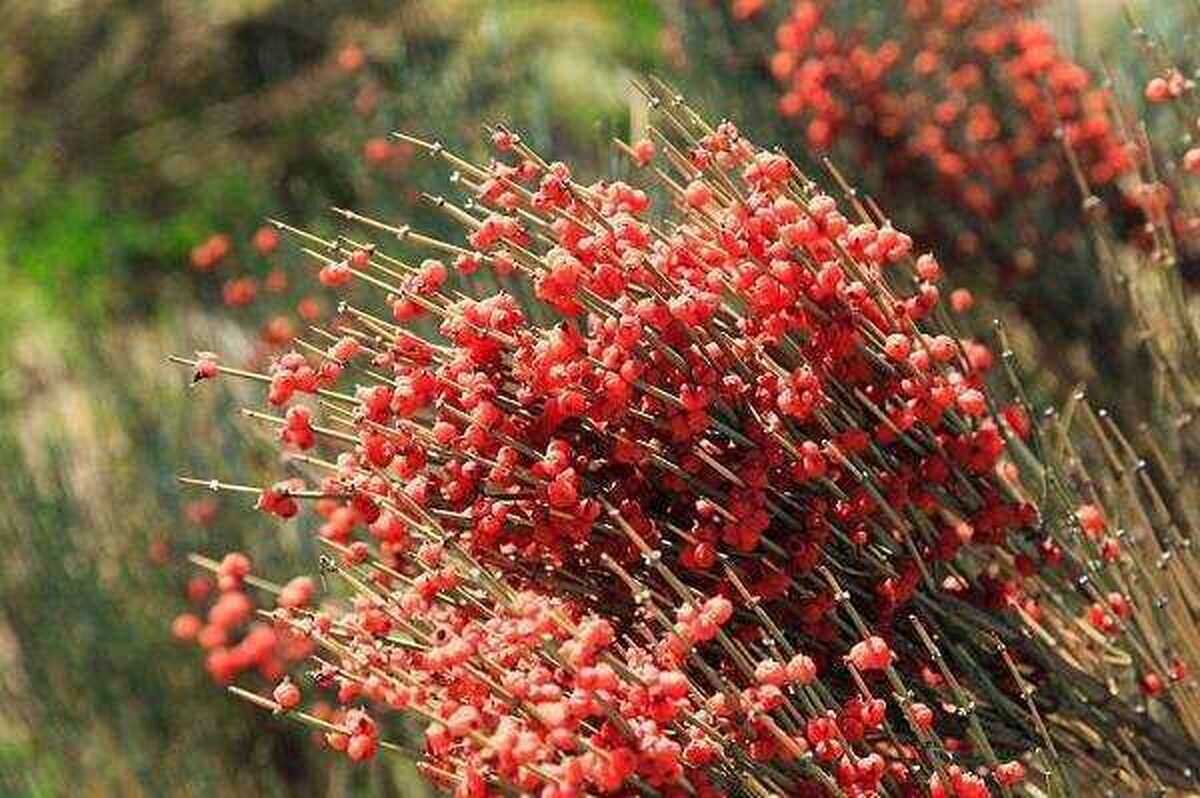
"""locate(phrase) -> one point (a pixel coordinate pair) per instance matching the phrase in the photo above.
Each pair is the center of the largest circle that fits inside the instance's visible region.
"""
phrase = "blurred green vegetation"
(131, 130)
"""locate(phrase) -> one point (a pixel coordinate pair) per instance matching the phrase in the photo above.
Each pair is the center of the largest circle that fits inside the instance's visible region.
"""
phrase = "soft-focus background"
(133, 133)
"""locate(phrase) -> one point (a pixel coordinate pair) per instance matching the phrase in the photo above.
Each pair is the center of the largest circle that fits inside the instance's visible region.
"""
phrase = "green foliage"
(135, 132)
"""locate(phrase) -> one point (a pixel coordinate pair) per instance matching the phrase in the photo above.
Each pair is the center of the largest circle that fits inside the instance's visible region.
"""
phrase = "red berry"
(972, 403)
(697, 194)
(871, 654)
(961, 300)
(266, 240)
(801, 669)
(922, 716)
(1158, 90)
(351, 58)
(897, 347)
(643, 151)
(1010, 774)
(1191, 161)
(287, 695)
(1091, 520)
(928, 268)
(1152, 685)
(186, 626)
(206, 366)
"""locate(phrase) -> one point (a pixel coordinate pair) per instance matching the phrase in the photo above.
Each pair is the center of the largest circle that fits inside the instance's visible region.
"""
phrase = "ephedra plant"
(967, 104)
(707, 493)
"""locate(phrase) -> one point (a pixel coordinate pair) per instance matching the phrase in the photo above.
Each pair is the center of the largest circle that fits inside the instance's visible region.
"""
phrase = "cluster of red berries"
(968, 96)
(678, 538)
(235, 642)
(208, 254)
(247, 290)
(1169, 205)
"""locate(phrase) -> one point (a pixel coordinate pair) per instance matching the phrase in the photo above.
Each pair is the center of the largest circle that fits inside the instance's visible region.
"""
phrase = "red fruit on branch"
(872, 654)
(286, 695)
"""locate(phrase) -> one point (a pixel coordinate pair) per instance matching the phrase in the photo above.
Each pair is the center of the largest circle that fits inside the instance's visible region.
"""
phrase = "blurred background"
(143, 145)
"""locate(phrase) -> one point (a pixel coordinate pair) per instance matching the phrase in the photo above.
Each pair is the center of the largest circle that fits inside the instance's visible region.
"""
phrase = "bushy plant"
(970, 105)
(712, 499)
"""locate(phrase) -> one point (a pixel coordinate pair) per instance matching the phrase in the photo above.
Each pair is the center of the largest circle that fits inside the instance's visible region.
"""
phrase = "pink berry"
(286, 695)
